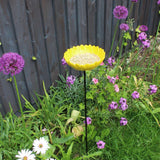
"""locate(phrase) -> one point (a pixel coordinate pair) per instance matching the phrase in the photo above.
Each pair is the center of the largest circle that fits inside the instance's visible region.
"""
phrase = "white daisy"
(40, 146)
(25, 155)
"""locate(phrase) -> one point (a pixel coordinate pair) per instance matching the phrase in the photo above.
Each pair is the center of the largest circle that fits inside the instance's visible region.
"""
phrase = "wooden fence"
(46, 28)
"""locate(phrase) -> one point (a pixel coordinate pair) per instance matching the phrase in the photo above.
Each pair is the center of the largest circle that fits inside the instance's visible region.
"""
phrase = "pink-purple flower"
(152, 89)
(146, 43)
(158, 2)
(142, 36)
(70, 80)
(123, 121)
(100, 144)
(122, 100)
(64, 63)
(95, 81)
(11, 63)
(112, 80)
(110, 61)
(120, 12)
(143, 28)
(124, 27)
(135, 95)
(123, 104)
(116, 88)
(113, 105)
(89, 120)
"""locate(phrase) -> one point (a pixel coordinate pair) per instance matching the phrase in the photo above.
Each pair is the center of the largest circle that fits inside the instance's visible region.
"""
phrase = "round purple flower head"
(100, 144)
(113, 105)
(153, 89)
(134, 0)
(158, 2)
(135, 95)
(124, 27)
(89, 120)
(142, 36)
(63, 62)
(120, 12)
(11, 63)
(143, 28)
(110, 61)
(123, 121)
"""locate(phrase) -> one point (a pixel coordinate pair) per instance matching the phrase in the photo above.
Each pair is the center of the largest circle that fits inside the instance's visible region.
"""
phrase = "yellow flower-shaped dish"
(84, 57)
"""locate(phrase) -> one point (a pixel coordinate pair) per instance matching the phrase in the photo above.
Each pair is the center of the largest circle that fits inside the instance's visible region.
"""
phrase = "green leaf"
(34, 58)
(156, 110)
(89, 95)
(125, 44)
(63, 139)
(127, 35)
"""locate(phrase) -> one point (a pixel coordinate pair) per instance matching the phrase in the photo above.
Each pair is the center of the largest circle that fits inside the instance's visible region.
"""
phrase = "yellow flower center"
(40, 145)
(25, 158)
(84, 58)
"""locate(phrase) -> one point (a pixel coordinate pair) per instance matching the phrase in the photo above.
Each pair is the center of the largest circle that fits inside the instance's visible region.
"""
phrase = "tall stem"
(85, 111)
(19, 101)
(114, 38)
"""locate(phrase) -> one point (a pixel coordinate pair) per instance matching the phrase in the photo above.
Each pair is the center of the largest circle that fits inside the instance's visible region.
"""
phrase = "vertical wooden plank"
(91, 5)
(50, 38)
(9, 44)
(25, 45)
(72, 26)
(141, 14)
(59, 15)
(100, 22)
(82, 21)
(37, 34)
(108, 25)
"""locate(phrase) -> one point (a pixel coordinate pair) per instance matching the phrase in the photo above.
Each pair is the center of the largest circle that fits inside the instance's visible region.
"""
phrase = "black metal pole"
(85, 111)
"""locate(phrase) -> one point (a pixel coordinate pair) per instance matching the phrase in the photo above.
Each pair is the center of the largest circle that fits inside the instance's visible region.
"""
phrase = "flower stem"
(114, 38)
(85, 111)
(18, 96)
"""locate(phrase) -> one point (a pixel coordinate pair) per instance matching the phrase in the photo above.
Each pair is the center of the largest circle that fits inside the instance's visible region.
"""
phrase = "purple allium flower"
(113, 105)
(63, 62)
(123, 107)
(122, 101)
(11, 63)
(112, 80)
(143, 28)
(123, 121)
(142, 36)
(158, 2)
(124, 27)
(100, 144)
(134, 0)
(146, 43)
(89, 120)
(120, 12)
(135, 95)
(70, 80)
(153, 89)
(110, 61)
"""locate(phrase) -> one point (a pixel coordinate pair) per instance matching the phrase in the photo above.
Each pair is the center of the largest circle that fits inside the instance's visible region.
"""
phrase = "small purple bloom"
(113, 105)
(146, 44)
(135, 95)
(153, 89)
(120, 12)
(112, 80)
(143, 28)
(89, 120)
(63, 62)
(70, 80)
(100, 144)
(158, 2)
(110, 61)
(122, 101)
(123, 121)
(134, 0)
(11, 63)
(124, 27)
(142, 36)
(123, 107)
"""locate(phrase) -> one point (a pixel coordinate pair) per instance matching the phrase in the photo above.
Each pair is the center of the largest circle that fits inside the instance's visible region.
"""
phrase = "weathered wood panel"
(46, 28)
